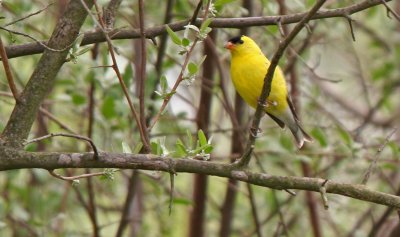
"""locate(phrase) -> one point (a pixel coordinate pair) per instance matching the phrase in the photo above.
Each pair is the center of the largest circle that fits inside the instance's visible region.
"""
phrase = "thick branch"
(239, 22)
(16, 159)
(42, 79)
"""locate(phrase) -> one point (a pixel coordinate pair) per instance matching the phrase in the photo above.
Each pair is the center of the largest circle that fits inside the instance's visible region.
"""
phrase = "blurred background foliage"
(348, 100)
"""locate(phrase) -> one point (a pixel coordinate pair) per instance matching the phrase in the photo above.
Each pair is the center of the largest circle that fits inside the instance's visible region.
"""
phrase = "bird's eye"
(236, 40)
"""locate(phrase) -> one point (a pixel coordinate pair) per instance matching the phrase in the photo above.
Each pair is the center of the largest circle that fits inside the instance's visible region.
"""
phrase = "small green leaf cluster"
(76, 50)
(194, 147)
(164, 92)
(108, 174)
(192, 70)
(185, 43)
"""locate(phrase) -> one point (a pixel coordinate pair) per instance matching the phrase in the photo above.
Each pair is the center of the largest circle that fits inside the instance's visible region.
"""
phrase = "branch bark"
(11, 158)
(43, 78)
(238, 22)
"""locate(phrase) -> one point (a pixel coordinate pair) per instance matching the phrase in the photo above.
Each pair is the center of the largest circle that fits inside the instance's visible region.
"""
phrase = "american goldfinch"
(248, 69)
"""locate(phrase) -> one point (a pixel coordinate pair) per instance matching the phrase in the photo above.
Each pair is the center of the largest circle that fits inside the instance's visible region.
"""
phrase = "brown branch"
(142, 75)
(11, 158)
(244, 161)
(7, 69)
(373, 164)
(390, 10)
(95, 151)
(254, 210)
(43, 77)
(239, 22)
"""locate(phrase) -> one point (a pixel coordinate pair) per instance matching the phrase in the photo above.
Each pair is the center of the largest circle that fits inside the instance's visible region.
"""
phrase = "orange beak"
(229, 46)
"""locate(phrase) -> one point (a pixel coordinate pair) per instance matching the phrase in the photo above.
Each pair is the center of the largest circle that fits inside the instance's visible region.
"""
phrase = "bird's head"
(241, 45)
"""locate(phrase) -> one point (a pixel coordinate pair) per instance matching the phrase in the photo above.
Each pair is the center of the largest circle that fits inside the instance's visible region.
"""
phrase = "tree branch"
(238, 22)
(11, 158)
(43, 78)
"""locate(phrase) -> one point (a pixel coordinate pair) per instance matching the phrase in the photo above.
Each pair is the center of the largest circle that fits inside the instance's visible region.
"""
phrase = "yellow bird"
(248, 69)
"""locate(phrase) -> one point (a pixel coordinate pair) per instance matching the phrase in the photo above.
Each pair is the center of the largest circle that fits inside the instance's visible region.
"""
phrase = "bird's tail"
(299, 134)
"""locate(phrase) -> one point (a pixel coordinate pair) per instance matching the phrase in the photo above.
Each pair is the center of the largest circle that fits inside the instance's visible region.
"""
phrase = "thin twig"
(196, 12)
(41, 43)
(26, 17)
(372, 166)
(142, 74)
(391, 10)
(279, 210)
(175, 87)
(56, 120)
(322, 191)
(77, 177)
(350, 21)
(171, 192)
(95, 151)
(7, 69)
(101, 26)
(254, 210)
(244, 161)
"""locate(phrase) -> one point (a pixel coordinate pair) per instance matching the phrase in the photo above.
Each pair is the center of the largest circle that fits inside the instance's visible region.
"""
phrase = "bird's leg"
(267, 103)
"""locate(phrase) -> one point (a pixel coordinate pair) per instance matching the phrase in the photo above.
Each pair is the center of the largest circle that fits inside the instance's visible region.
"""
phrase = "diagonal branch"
(43, 78)
(7, 70)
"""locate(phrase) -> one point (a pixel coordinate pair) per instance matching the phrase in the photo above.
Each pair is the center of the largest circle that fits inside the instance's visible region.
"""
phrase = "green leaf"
(137, 148)
(192, 67)
(175, 38)
(31, 147)
(108, 174)
(320, 136)
(394, 148)
(383, 71)
(156, 148)
(208, 149)
(78, 99)
(221, 3)
(108, 108)
(180, 149)
(128, 75)
(182, 201)
(163, 83)
(287, 143)
(185, 42)
(345, 136)
(205, 25)
(388, 166)
(126, 148)
(190, 138)
(79, 39)
(83, 51)
(202, 138)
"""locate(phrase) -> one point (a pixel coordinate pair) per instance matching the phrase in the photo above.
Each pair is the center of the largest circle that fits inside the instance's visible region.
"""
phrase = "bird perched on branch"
(248, 69)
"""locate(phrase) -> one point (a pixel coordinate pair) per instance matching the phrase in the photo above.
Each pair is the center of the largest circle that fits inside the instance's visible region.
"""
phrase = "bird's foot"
(267, 103)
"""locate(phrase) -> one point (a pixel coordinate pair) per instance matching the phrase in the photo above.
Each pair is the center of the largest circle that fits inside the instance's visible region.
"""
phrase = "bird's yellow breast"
(248, 73)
